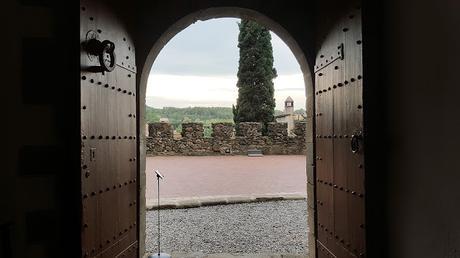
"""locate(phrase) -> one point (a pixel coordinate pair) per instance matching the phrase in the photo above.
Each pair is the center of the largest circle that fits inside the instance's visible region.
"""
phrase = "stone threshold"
(225, 255)
(194, 202)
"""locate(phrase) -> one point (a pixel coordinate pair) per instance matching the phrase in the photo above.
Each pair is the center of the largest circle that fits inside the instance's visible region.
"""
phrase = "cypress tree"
(255, 101)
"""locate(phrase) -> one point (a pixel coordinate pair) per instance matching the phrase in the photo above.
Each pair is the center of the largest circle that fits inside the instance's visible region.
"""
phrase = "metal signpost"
(159, 254)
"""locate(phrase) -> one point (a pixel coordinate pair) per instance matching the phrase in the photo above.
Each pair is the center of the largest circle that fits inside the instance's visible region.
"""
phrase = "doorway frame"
(305, 66)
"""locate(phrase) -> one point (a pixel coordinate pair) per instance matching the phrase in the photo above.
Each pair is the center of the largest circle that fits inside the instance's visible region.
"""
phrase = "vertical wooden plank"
(338, 73)
(109, 140)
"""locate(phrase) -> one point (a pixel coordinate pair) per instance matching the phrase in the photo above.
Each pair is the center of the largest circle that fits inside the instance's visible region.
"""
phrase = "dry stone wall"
(226, 139)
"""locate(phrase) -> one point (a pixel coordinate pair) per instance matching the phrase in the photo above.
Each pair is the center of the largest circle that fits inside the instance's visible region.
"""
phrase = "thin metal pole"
(158, 180)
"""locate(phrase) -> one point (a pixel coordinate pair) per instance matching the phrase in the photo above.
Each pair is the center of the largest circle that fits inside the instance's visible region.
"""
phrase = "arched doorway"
(195, 74)
(233, 12)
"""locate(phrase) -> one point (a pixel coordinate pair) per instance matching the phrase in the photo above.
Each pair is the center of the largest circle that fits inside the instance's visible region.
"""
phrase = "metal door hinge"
(340, 54)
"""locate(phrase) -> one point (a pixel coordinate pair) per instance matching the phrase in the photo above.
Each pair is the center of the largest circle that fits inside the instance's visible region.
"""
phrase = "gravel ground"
(277, 227)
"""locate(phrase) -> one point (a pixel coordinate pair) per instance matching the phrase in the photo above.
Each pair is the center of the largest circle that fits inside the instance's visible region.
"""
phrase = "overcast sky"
(198, 67)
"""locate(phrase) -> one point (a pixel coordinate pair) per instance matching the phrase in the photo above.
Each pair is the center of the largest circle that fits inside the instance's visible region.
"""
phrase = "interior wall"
(39, 181)
(419, 80)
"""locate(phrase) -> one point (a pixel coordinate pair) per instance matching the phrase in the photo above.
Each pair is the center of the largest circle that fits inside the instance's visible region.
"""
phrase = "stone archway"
(221, 12)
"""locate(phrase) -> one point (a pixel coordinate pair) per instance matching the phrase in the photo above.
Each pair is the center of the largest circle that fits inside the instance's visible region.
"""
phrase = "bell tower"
(289, 106)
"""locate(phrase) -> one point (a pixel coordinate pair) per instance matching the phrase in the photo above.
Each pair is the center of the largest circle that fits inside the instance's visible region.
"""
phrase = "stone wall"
(226, 139)
(249, 129)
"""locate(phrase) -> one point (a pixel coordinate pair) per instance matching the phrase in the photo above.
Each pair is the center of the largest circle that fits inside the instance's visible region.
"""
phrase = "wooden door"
(109, 189)
(339, 136)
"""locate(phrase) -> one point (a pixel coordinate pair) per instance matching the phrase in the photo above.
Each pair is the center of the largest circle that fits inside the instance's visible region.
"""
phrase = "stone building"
(288, 115)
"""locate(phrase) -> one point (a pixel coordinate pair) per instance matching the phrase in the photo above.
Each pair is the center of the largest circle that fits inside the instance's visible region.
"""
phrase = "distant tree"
(151, 116)
(177, 116)
(255, 101)
(187, 120)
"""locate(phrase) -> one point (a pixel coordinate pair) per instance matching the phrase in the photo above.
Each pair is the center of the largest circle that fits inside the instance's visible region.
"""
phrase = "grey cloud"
(290, 89)
(210, 48)
(160, 102)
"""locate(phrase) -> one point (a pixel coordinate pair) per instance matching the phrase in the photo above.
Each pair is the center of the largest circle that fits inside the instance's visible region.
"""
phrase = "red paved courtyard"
(187, 176)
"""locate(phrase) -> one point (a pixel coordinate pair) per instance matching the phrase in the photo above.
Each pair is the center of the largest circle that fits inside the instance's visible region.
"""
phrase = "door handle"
(105, 51)
(355, 142)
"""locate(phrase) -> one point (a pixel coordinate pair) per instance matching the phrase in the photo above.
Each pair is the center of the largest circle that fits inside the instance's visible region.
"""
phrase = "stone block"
(160, 130)
(309, 130)
(300, 129)
(223, 130)
(311, 195)
(192, 130)
(311, 234)
(249, 129)
(277, 130)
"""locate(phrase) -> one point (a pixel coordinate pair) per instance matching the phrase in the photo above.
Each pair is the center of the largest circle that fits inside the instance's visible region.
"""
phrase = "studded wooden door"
(339, 136)
(109, 189)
